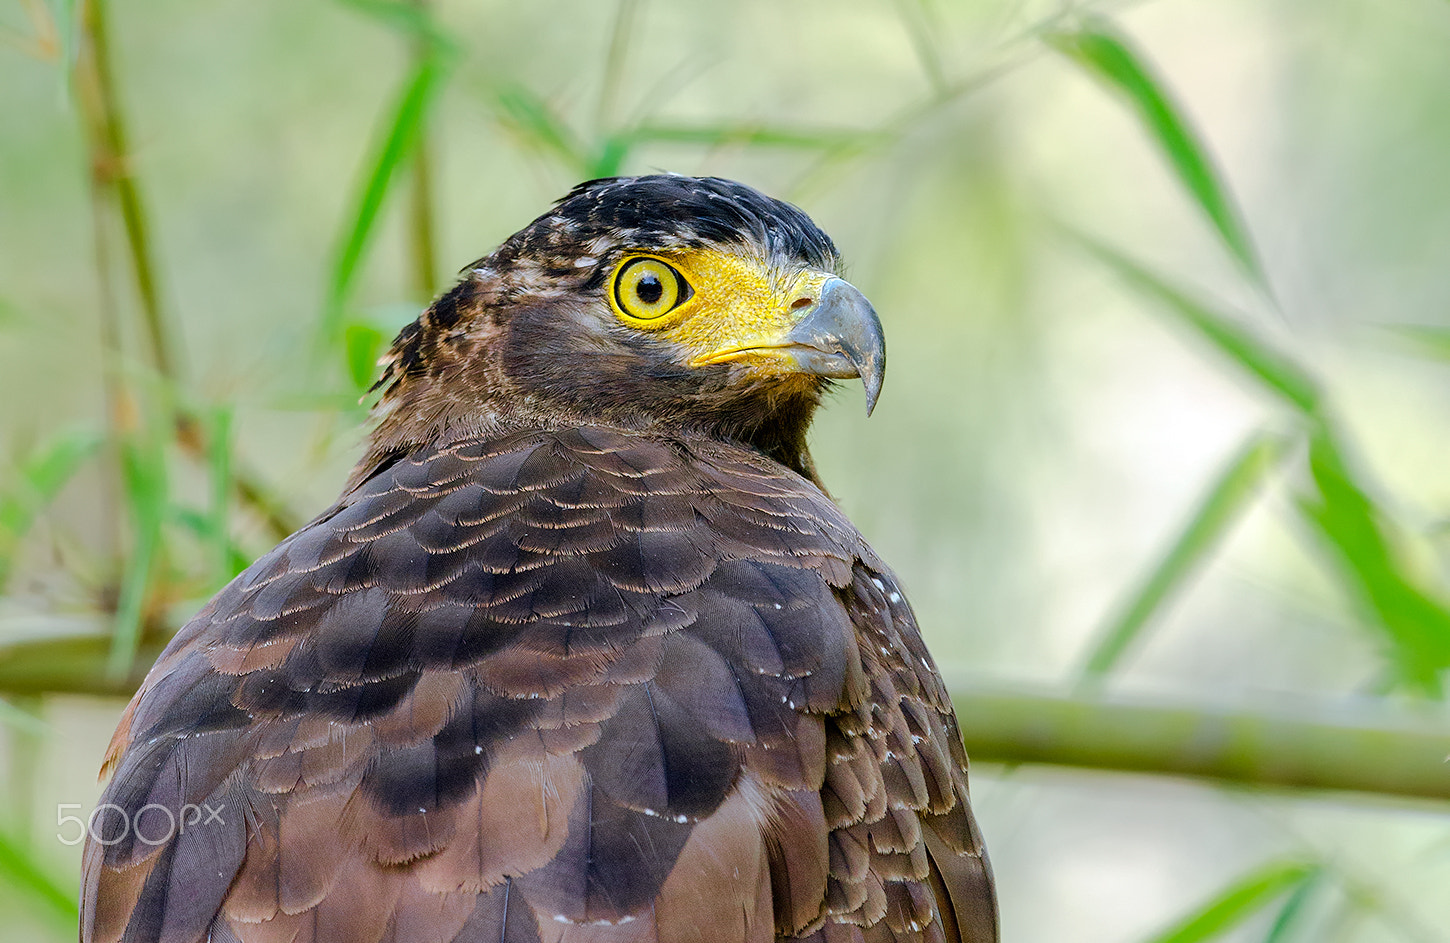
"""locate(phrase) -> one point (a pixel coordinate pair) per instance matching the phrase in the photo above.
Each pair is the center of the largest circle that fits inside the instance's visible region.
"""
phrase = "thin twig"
(1012, 54)
(916, 19)
(624, 16)
(112, 393)
(425, 266)
(44, 42)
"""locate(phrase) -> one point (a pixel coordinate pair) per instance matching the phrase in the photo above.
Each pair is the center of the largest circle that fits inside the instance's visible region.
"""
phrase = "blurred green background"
(1161, 455)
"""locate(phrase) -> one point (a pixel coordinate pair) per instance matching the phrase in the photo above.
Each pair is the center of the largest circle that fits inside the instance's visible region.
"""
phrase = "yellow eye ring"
(646, 288)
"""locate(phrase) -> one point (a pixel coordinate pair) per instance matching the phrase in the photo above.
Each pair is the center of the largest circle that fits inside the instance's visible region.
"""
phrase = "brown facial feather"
(541, 679)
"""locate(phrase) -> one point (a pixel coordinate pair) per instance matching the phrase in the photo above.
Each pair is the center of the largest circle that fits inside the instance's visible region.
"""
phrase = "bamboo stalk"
(112, 172)
(75, 665)
(1371, 750)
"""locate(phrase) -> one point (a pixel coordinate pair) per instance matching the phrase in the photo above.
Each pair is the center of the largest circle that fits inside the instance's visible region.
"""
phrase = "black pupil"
(649, 288)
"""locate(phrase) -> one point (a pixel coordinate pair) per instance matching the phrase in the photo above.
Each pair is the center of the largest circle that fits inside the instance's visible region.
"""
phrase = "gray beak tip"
(844, 332)
(873, 390)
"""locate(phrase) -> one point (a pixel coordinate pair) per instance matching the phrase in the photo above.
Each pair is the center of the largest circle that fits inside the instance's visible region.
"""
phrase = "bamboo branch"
(1374, 749)
(1392, 753)
(75, 665)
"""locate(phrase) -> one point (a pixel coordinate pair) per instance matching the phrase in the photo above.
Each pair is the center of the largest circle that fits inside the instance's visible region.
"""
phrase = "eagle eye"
(647, 288)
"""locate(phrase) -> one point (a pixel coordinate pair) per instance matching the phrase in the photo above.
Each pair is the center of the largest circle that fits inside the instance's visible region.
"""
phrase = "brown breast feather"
(569, 686)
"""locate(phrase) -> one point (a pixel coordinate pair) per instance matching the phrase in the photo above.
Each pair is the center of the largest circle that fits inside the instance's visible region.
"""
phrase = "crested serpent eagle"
(584, 652)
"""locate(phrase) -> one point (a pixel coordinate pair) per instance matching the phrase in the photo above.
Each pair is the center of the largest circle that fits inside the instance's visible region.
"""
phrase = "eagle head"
(659, 303)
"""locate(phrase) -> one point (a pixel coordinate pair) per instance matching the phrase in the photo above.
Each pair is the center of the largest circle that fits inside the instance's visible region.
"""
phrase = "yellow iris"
(647, 288)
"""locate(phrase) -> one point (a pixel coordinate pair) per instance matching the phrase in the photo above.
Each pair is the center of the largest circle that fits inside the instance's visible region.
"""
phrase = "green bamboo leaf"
(1099, 48)
(406, 17)
(397, 144)
(18, 718)
(1230, 497)
(1276, 371)
(363, 343)
(22, 871)
(1430, 341)
(143, 466)
(534, 121)
(1237, 902)
(219, 468)
(919, 25)
(611, 157)
(38, 480)
(1351, 527)
(233, 559)
(1289, 915)
(1362, 546)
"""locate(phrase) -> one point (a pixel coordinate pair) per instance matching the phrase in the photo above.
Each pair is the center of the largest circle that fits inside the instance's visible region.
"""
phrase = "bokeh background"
(1161, 457)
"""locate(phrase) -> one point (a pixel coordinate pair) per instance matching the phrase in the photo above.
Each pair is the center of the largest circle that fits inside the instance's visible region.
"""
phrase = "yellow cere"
(731, 307)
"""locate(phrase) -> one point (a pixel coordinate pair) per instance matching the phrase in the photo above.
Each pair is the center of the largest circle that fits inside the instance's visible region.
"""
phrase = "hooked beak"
(836, 334)
(841, 337)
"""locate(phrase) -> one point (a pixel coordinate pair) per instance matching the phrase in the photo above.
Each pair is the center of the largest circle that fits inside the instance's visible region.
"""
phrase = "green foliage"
(1276, 372)
(1230, 496)
(1355, 532)
(1291, 914)
(36, 483)
(52, 899)
(1415, 623)
(1239, 901)
(404, 129)
(143, 465)
(1103, 50)
(539, 129)
(1432, 341)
